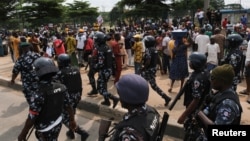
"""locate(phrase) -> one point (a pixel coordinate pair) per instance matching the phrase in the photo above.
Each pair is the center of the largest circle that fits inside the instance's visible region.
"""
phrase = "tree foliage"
(82, 11)
(5, 8)
(136, 9)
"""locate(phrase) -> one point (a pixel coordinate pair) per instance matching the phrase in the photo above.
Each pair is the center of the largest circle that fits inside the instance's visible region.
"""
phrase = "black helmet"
(198, 60)
(99, 38)
(63, 60)
(234, 40)
(149, 41)
(44, 65)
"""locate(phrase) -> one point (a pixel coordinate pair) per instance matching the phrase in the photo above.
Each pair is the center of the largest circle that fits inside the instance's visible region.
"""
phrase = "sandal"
(244, 92)
(170, 90)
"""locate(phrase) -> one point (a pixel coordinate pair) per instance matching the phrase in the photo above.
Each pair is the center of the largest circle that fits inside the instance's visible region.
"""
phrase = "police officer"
(24, 66)
(222, 107)
(70, 76)
(45, 112)
(92, 71)
(234, 56)
(141, 122)
(104, 66)
(149, 67)
(198, 86)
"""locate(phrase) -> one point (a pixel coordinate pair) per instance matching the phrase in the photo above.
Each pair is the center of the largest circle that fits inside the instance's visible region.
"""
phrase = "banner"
(99, 20)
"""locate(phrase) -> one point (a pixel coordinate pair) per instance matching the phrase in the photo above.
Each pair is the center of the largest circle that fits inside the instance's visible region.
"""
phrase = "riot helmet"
(234, 40)
(132, 89)
(198, 60)
(99, 38)
(149, 41)
(63, 60)
(44, 66)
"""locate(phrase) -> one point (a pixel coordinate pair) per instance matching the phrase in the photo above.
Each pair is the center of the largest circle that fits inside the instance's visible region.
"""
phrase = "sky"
(107, 5)
(103, 5)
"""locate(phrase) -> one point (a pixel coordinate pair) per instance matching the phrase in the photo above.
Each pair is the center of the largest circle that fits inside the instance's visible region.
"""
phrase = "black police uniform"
(198, 86)
(47, 109)
(223, 108)
(28, 76)
(104, 65)
(235, 57)
(148, 71)
(140, 125)
(92, 71)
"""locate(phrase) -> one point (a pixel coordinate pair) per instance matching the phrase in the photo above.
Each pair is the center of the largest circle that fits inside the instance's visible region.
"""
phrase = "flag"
(99, 19)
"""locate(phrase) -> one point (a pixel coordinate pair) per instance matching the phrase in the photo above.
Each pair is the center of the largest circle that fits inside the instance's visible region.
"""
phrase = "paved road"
(13, 112)
(92, 104)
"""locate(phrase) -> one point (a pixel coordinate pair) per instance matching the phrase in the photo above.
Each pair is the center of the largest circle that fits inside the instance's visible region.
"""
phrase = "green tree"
(137, 9)
(39, 12)
(7, 9)
(81, 12)
(217, 4)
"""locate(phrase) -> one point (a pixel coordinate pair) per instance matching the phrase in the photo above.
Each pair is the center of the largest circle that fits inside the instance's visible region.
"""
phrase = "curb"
(92, 106)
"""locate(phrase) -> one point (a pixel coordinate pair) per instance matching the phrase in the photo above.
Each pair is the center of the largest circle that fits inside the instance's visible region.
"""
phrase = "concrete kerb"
(90, 105)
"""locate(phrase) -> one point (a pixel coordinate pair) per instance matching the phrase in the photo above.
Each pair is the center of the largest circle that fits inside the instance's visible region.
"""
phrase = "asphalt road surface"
(14, 110)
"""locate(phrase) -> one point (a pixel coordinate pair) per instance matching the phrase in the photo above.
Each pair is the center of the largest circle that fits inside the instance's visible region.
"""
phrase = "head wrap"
(224, 73)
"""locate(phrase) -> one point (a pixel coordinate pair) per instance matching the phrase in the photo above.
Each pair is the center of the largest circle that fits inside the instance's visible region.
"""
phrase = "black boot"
(106, 101)
(70, 134)
(166, 98)
(115, 100)
(83, 133)
(93, 92)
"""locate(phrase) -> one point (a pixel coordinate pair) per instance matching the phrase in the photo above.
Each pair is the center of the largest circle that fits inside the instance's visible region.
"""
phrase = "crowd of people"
(49, 65)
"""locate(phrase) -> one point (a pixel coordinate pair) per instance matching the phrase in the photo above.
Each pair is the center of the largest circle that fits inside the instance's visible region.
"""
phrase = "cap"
(224, 72)
(132, 89)
(137, 36)
(81, 30)
(24, 44)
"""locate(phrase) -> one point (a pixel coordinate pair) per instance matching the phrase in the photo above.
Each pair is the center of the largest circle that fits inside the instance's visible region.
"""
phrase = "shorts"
(247, 71)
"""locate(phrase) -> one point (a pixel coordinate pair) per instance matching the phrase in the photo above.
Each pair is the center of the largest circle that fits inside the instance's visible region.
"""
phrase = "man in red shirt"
(113, 43)
(58, 45)
(224, 23)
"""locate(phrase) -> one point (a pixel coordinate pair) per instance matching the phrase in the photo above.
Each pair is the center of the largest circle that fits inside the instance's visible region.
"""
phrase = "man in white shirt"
(80, 43)
(201, 41)
(212, 53)
(247, 74)
(200, 15)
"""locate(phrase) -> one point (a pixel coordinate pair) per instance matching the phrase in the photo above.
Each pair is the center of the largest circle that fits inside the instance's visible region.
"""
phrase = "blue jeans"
(137, 67)
(166, 62)
(210, 66)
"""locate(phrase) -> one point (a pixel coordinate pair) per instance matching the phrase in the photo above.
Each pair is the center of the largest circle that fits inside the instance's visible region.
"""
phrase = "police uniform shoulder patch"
(196, 84)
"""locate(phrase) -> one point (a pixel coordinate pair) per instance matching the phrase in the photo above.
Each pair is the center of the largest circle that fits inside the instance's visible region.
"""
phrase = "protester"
(137, 49)
(212, 53)
(179, 65)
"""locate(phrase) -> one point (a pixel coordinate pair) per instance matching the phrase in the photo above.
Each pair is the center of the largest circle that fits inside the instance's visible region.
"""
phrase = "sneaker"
(70, 134)
(244, 92)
